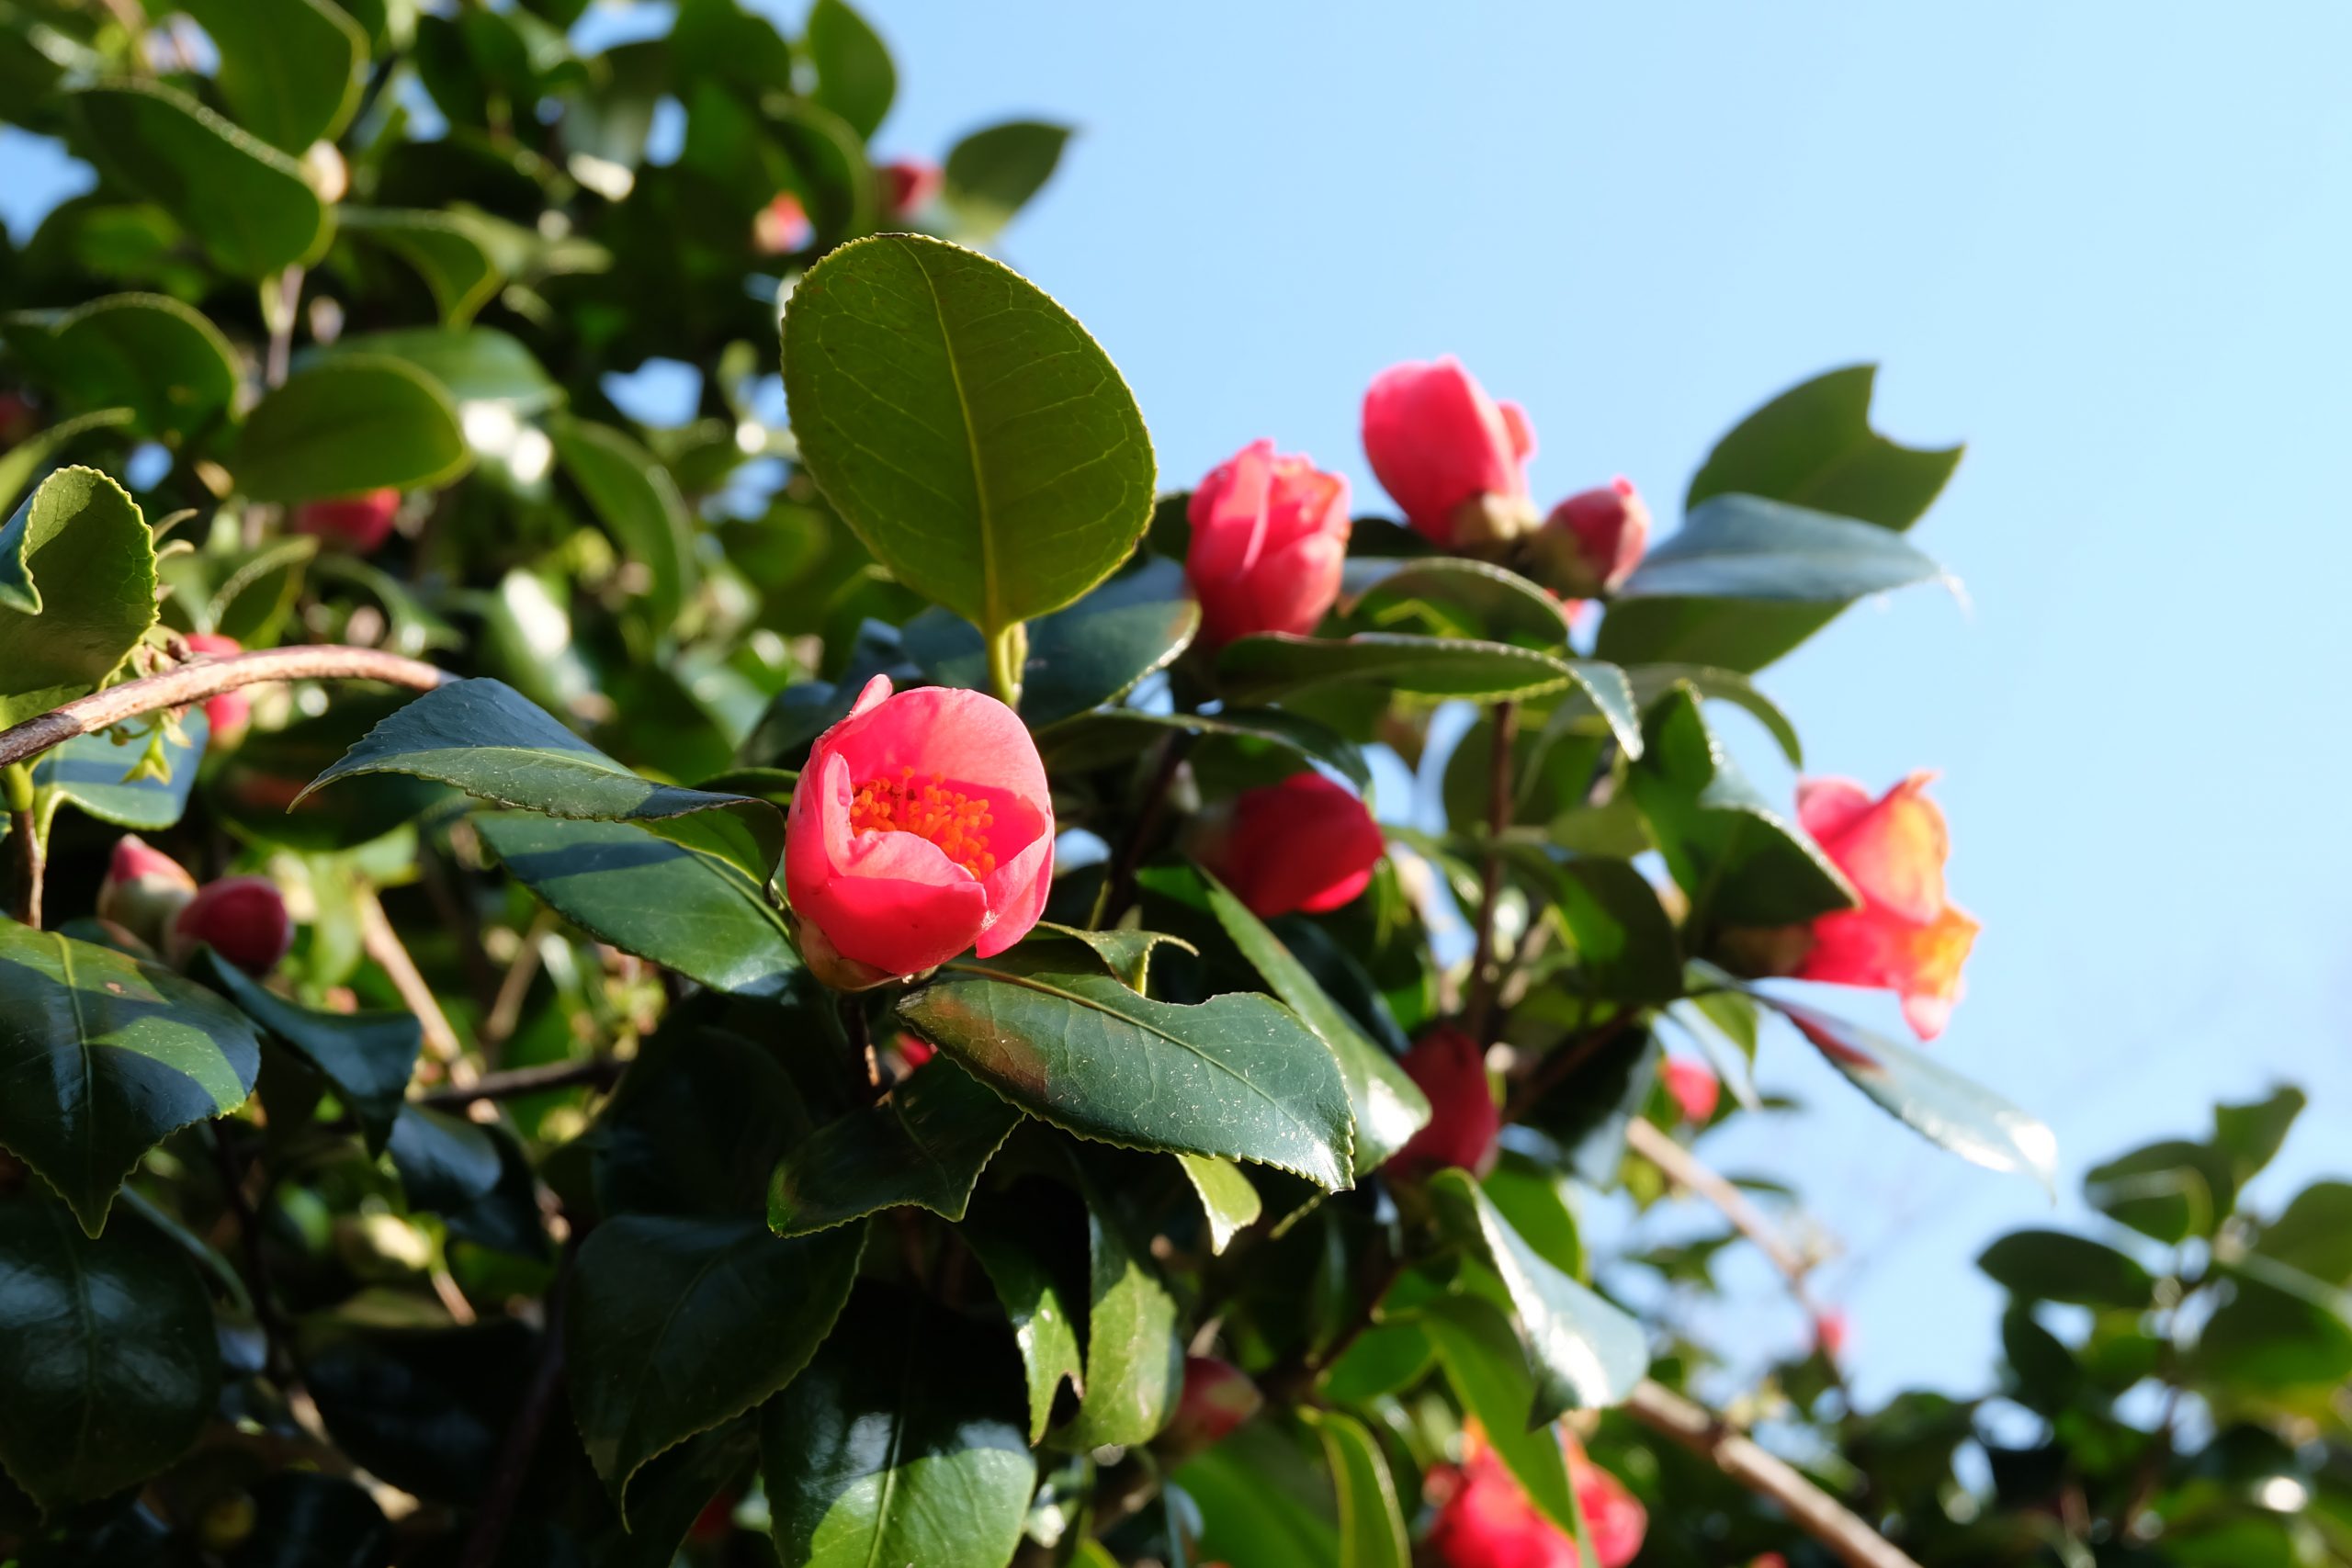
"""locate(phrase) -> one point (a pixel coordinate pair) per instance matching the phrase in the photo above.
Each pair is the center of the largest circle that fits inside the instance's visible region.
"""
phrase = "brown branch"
(1484, 977)
(1849, 1539)
(25, 826)
(205, 678)
(518, 1081)
(514, 988)
(1685, 1169)
(384, 944)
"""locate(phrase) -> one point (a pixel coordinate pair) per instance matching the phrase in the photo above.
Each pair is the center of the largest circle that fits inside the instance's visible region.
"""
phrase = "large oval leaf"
(1012, 1245)
(854, 76)
(1275, 664)
(104, 1056)
(367, 1057)
(1114, 735)
(155, 355)
(1372, 1521)
(992, 172)
(290, 69)
(77, 591)
(1135, 1356)
(925, 1143)
(353, 423)
(449, 251)
(1742, 546)
(108, 1367)
(963, 424)
(638, 502)
(900, 1443)
(1237, 1076)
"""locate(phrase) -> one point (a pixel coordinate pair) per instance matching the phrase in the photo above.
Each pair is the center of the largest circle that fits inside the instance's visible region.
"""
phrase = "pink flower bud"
(908, 186)
(1450, 1068)
(1304, 844)
(1830, 1330)
(359, 523)
(783, 226)
(144, 890)
(1269, 535)
(228, 712)
(1594, 539)
(1450, 456)
(243, 918)
(1693, 1089)
(920, 827)
(1908, 937)
(1485, 1520)
(1218, 1397)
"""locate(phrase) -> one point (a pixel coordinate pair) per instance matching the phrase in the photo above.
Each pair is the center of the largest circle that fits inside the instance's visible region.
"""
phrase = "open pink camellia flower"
(920, 827)
(1908, 937)
(1269, 536)
(1303, 844)
(1694, 1088)
(1450, 456)
(1485, 1520)
(1450, 1068)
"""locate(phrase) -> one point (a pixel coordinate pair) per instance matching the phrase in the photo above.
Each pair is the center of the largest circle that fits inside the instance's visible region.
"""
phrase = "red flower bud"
(1908, 937)
(914, 1052)
(1269, 535)
(243, 918)
(1829, 1331)
(1303, 844)
(1450, 456)
(920, 827)
(144, 890)
(227, 712)
(1218, 1397)
(1485, 1520)
(359, 523)
(1693, 1087)
(783, 226)
(908, 186)
(1450, 1067)
(1594, 540)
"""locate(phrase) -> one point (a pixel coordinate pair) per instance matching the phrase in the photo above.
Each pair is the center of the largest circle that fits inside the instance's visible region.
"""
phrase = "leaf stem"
(281, 299)
(25, 826)
(1008, 652)
(1483, 975)
(1119, 887)
(516, 1082)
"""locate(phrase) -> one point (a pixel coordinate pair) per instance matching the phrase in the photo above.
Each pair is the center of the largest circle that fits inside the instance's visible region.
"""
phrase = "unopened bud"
(243, 918)
(144, 889)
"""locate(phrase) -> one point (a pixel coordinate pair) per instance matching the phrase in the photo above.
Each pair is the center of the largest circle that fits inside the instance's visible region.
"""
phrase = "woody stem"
(1484, 977)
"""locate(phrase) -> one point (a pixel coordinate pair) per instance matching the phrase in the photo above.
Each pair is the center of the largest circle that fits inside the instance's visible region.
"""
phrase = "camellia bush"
(822, 981)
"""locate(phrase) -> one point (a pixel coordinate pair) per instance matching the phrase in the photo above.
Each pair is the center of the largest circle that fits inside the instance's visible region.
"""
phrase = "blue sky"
(2102, 244)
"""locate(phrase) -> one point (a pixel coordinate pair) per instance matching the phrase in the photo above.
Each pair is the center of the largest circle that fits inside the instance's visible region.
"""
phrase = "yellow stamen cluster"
(956, 822)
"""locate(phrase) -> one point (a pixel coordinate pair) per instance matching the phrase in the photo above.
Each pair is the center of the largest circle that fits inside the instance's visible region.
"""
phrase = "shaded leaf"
(153, 355)
(1742, 546)
(1012, 1248)
(1466, 598)
(116, 783)
(365, 1056)
(638, 504)
(290, 69)
(449, 250)
(351, 424)
(1135, 1358)
(854, 76)
(925, 1143)
(992, 174)
(1273, 664)
(2057, 1265)
(1096, 739)
(243, 199)
(1489, 1375)
(1372, 1521)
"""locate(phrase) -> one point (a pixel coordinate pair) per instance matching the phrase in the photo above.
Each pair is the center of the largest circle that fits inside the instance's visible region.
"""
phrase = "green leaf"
(900, 1443)
(109, 1368)
(28, 458)
(2057, 1265)
(2280, 1331)
(1097, 739)
(290, 69)
(1812, 447)
(474, 1175)
(1625, 942)
(965, 427)
(1938, 1103)
(1538, 1201)
(1372, 1521)
(672, 1493)
(1584, 1353)
(243, 199)
(365, 1056)
(1275, 664)
(638, 504)
(695, 1125)
(854, 76)
(1745, 548)
(160, 359)
(1653, 682)
(1228, 1199)
(693, 913)
(1078, 659)
(1237, 1076)
(114, 783)
(482, 737)
(424, 1410)
(1135, 1356)
(992, 172)
(1126, 954)
(1384, 1359)
(351, 424)
(1741, 860)
(77, 592)
(1489, 1375)
(1009, 1245)
(2314, 1233)
(925, 1143)
(1387, 1107)
(254, 788)
(474, 365)
(2251, 1135)
(449, 250)
(1462, 598)
(675, 1324)
(104, 1056)
(2171, 1190)
(1263, 1501)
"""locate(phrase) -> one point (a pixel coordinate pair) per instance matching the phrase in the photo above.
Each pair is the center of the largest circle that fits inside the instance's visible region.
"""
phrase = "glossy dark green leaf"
(450, 251)
(838, 187)
(1653, 682)
(1934, 1101)
(473, 1175)
(107, 1370)
(1463, 598)
(1263, 1500)
(854, 76)
(1012, 1248)
(1590, 1111)
(105, 1056)
(925, 1143)
(1229, 1201)
(257, 790)
(690, 912)
(150, 354)
(119, 783)
(1484, 1363)
(696, 1123)
(638, 504)
(1274, 664)
(1126, 954)
(424, 1410)
(2314, 1235)
(1097, 739)
(290, 69)
(365, 1056)
(2058, 1266)
(353, 423)
(2171, 1190)
(992, 172)
(1387, 1358)
(77, 591)
(1585, 1353)
(1625, 943)
(1742, 859)
(978, 441)
(1372, 1521)
(257, 590)
(1081, 657)
(900, 1443)
(484, 737)
(674, 1324)
(1745, 547)
(671, 1494)
(1237, 1076)
(243, 199)
(2280, 1331)
(1538, 1201)
(1389, 1109)
(1135, 1356)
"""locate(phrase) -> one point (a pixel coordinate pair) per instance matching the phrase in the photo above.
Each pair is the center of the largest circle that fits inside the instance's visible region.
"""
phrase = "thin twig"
(1119, 889)
(496, 1514)
(1849, 1538)
(516, 1082)
(205, 678)
(281, 314)
(25, 826)
(1685, 1169)
(1483, 976)
(384, 944)
(514, 988)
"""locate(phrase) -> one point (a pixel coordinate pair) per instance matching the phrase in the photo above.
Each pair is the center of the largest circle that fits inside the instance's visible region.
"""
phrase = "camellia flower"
(1829, 1331)
(1450, 1068)
(1269, 535)
(227, 712)
(1908, 937)
(359, 523)
(783, 226)
(1693, 1087)
(243, 918)
(908, 186)
(1218, 1397)
(1304, 844)
(1485, 1520)
(920, 827)
(1450, 456)
(144, 888)
(1592, 541)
